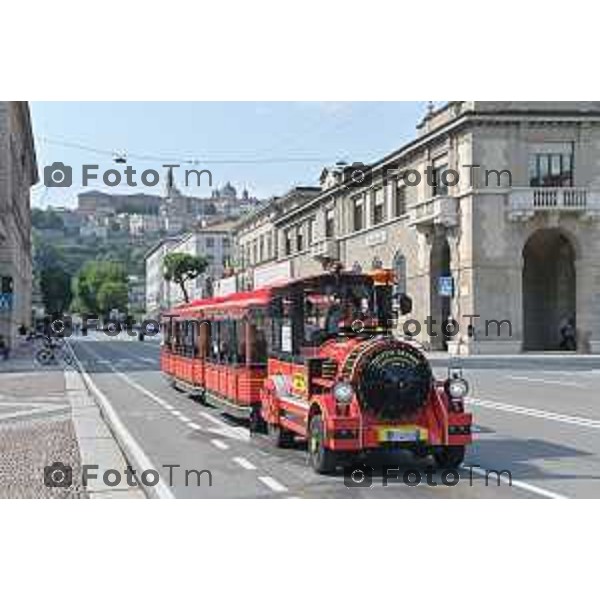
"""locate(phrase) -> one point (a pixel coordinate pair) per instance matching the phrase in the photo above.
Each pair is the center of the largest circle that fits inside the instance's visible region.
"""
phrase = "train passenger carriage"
(317, 359)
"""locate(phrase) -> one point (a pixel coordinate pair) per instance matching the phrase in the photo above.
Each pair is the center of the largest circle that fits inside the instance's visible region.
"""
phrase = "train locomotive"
(318, 359)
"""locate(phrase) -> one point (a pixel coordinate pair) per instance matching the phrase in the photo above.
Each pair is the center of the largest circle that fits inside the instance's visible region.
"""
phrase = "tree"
(52, 272)
(55, 286)
(112, 295)
(180, 267)
(89, 289)
(46, 219)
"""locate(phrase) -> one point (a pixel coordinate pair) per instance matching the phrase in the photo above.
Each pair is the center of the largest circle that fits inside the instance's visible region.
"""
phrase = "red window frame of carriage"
(238, 384)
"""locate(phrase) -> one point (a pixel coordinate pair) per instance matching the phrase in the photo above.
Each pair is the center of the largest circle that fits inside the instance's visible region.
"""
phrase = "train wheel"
(256, 422)
(199, 397)
(322, 459)
(281, 438)
(449, 457)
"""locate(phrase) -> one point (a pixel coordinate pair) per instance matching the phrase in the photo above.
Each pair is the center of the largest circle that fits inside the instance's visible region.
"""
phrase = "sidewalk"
(47, 416)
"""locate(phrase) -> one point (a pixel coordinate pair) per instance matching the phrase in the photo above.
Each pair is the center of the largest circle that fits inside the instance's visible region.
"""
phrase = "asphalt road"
(538, 419)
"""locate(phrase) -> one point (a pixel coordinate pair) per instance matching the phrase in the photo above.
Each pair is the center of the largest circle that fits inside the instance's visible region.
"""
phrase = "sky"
(266, 147)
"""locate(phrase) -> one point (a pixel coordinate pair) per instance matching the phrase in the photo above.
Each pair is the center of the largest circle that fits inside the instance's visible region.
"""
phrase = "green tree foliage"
(97, 285)
(112, 294)
(52, 272)
(181, 267)
(46, 219)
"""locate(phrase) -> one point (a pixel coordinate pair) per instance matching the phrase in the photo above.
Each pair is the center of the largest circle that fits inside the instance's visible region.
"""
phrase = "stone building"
(18, 172)
(214, 242)
(157, 289)
(493, 209)
(256, 247)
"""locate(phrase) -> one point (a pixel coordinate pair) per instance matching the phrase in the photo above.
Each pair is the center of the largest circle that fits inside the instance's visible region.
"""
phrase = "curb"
(131, 450)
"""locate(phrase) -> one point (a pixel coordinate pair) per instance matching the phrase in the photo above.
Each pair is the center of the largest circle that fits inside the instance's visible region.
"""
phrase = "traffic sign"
(6, 300)
(446, 286)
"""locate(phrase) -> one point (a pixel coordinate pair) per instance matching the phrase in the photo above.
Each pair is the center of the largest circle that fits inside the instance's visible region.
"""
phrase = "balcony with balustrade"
(435, 211)
(524, 203)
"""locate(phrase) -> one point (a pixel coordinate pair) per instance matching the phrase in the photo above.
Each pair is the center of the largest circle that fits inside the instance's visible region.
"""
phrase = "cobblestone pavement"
(36, 430)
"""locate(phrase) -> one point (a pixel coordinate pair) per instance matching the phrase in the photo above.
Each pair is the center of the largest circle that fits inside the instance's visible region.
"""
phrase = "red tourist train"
(316, 358)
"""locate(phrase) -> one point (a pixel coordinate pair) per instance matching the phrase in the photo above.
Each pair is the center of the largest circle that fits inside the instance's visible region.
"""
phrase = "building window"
(379, 206)
(329, 223)
(269, 246)
(254, 252)
(288, 242)
(210, 242)
(310, 230)
(358, 213)
(400, 201)
(299, 239)
(551, 169)
(439, 187)
(261, 248)
(226, 242)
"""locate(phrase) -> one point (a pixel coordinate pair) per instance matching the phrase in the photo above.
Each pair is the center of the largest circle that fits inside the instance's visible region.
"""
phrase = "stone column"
(588, 303)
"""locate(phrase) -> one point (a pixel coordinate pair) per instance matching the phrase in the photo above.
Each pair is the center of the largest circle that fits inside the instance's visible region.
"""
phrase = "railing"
(525, 202)
(326, 248)
(569, 198)
(439, 210)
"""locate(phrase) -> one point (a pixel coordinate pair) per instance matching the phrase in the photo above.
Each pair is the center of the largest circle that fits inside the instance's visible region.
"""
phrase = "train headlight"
(343, 392)
(458, 388)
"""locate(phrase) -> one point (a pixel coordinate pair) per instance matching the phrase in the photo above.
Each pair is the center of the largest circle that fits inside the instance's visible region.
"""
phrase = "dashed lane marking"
(212, 418)
(184, 419)
(221, 445)
(534, 412)
(195, 426)
(272, 484)
(546, 381)
(244, 463)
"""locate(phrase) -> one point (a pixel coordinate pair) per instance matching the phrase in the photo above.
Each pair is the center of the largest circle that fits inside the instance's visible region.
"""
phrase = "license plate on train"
(397, 434)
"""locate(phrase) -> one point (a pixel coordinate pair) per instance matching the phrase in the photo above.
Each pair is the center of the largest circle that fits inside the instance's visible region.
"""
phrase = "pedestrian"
(4, 349)
(568, 336)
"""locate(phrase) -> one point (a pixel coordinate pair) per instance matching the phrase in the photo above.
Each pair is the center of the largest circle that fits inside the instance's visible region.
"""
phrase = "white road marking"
(233, 433)
(534, 489)
(273, 484)
(50, 408)
(168, 406)
(184, 419)
(221, 445)
(194, 426)
(211, 418)
(534, 412)
(133, 449)
(546, 381)
(176, 413)
(244, 463)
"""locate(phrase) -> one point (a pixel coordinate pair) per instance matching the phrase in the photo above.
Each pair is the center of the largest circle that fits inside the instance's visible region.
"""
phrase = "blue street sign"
(446, 286)
(6, 300)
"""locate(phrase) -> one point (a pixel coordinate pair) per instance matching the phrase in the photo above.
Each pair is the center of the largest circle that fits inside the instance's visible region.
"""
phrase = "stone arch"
(549, 288)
